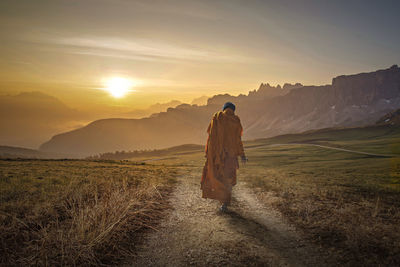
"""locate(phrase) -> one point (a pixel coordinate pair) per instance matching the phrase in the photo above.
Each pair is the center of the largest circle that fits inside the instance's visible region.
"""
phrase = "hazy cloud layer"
(140, 49)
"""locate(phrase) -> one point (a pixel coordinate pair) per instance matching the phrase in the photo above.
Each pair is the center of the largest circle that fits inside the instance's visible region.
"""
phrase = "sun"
(118, 87)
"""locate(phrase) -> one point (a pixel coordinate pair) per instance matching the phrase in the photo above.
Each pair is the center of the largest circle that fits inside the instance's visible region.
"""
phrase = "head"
(229, 105)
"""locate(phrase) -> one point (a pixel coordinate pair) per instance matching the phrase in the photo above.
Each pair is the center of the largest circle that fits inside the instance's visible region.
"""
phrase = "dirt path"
(197, 233)
(328, 147)
(348, 150)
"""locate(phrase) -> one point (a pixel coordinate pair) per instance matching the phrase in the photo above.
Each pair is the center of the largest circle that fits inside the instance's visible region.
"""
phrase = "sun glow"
(118, 87)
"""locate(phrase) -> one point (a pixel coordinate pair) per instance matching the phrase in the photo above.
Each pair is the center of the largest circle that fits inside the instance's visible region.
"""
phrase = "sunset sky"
(185, 49)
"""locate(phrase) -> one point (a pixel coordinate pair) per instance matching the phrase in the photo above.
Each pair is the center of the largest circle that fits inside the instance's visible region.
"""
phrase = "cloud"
(134, 49)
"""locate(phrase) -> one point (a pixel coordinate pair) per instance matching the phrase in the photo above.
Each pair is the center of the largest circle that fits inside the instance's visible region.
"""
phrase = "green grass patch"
(345, 201)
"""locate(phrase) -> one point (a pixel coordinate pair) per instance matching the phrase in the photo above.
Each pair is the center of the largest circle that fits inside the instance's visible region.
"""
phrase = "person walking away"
(224, 145)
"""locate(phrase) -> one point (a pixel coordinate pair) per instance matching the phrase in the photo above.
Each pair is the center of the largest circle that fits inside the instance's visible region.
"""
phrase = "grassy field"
(373, 139)
(67, 212)
(76, 212)
(346, 202)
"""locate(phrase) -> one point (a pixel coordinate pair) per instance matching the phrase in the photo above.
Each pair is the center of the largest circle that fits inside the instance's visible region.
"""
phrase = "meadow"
(90, 212)
(78, 212)
(345, 202)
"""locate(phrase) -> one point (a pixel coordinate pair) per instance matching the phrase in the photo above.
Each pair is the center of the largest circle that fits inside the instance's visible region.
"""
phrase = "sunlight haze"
(127, 59)
(183, 49)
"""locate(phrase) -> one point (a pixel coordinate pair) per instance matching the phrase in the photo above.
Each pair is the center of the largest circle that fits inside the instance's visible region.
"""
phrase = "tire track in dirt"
(196, 233)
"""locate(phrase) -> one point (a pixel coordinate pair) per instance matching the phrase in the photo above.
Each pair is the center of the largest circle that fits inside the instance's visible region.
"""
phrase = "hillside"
(11, 152)
(19, 152)
(177, 126)
(392, 118)
(350, 101)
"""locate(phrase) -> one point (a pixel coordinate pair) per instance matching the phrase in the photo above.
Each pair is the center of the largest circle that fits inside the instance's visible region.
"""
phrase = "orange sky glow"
(180, 49)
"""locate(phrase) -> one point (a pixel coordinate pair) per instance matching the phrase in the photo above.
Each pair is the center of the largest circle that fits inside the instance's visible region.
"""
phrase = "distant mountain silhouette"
(20, 152)
(161, 107)
(174, 127)
(31, 117)
(156, 108)
(351, 100)
(200, 101)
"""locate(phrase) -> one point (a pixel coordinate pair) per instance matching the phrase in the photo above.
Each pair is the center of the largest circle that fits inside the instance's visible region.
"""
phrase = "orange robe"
(224, 145)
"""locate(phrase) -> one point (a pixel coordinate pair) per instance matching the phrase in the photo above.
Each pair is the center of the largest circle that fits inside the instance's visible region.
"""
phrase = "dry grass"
(77, 212)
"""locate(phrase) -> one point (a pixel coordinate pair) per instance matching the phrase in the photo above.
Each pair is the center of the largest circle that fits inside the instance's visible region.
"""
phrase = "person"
(224, 145)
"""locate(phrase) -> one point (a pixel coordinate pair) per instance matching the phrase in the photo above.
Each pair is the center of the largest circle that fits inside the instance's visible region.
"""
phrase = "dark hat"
(229, 105)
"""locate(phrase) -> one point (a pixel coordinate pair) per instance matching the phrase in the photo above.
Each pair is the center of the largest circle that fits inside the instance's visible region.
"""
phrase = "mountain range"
(156, 108)
(349, 101)
(29, 118)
